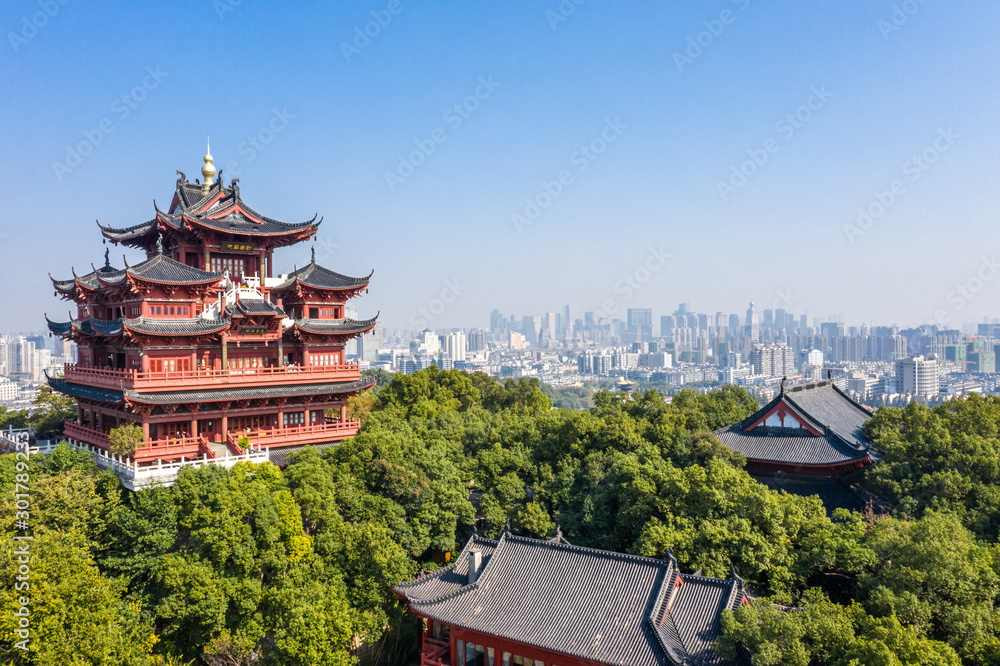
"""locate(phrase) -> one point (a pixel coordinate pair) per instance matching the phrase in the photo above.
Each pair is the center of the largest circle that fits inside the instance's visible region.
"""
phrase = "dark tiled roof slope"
(176, 327)
(344, 326)
(806, 450)
(253, 306)
(82, 391)
(451, 578)
(591, 604)
(165, 270)
(249, 393)
(193, 208)
(826, 404)
(316, 276)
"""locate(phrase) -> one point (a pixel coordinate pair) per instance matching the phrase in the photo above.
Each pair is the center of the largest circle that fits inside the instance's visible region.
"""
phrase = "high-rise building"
(640, 323)
(476, 341)
(917, 376)
(455, 346)
(772, 360)
(752, 323)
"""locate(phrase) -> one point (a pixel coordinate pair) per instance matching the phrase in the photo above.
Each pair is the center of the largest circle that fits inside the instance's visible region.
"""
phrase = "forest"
(258, 565)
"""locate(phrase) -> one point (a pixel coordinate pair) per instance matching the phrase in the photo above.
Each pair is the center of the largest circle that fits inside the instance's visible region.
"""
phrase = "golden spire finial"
(208, 171)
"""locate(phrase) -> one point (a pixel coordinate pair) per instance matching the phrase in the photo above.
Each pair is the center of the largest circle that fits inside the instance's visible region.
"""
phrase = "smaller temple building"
(519, 601)
(814, 430)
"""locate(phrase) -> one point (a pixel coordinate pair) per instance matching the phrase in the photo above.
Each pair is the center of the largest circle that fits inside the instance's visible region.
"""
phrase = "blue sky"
(667, 120)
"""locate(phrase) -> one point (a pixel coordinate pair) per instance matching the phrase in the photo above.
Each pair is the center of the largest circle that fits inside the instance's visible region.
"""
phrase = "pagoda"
(201, 345)
(815, 430)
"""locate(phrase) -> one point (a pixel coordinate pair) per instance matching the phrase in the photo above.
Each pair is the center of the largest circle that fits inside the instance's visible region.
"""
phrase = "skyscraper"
(753, 323)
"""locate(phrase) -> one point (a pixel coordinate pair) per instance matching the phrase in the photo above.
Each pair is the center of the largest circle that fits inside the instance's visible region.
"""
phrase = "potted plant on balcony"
(125, 439)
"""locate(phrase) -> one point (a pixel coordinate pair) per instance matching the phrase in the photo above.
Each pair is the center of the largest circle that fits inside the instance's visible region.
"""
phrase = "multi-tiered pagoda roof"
(201, 344)
(220, 211)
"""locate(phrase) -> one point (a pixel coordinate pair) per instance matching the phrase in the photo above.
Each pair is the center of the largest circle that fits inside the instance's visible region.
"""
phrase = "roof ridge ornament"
(107, 260)
(208, 170)
(159, 244)
(314, 253)
(506, 527)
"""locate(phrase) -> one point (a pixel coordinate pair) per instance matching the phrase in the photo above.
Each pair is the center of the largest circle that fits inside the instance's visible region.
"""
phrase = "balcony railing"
(150, 450)
(297, 436)
(137, 379)
(434, 652)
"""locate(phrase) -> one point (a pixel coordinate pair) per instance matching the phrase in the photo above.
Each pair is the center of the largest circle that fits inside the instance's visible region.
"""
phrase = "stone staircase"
(220, 449)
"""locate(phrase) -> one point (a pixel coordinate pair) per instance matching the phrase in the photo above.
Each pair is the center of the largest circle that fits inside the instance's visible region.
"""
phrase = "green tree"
(125, 439)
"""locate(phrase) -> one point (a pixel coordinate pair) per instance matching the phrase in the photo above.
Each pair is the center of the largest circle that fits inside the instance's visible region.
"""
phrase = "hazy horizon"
(594, 144)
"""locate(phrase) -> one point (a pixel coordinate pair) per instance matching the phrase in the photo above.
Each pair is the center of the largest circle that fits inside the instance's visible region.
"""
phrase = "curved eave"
(66, 286)
(347, 327)
(350, 283)
(84, 391)
(201, 283)
(247, 229)
(128, 233)
(248, 393)
(59, 328)
(865, 459)
(138, 326)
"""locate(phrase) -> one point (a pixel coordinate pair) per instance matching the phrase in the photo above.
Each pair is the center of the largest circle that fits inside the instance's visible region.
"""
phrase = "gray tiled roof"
(316, 276)
(248, 393)
(451, 578)
(191, 210)
(108, 328)
(341, 326)
(134, 231)
(821, 406)
(253, 306)
(590, 604)
(91, 280)
(82, 391)
(798, 449)
(161, 268)
(280, 456)
(826, 404)
(176, 327)
(59, 328)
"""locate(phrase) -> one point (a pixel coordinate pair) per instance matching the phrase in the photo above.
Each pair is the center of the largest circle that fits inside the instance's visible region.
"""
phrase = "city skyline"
(690, 158)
